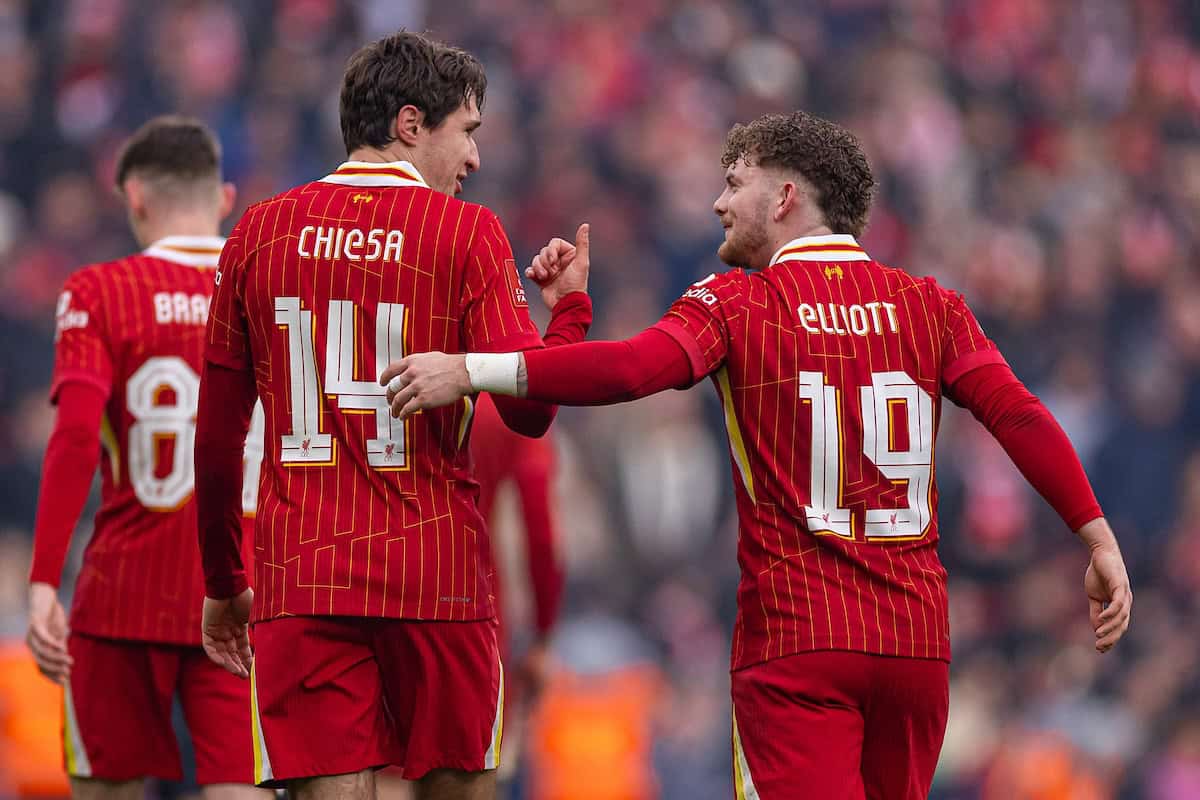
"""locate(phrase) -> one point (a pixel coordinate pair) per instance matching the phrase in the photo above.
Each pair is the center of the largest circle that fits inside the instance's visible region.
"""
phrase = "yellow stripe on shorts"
(743, 784)
(262, 762)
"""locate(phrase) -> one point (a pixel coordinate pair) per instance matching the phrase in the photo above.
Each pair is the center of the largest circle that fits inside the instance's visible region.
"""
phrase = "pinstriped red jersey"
(319, 289)
(135, 328)
(831, 370)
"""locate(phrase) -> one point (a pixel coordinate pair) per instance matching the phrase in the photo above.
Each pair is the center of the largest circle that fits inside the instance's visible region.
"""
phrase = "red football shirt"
(831, 370)
(135, 328)
(319, 289)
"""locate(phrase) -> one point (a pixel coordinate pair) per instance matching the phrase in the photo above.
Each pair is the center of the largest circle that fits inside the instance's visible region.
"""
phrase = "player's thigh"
(216, 707)
(390, 785)
(117, 710)
(316, 700)
(97, 789)
(443, 682)
(235, 791)
(450, 784)
(353, 786)
(905, 725)
(798, 728)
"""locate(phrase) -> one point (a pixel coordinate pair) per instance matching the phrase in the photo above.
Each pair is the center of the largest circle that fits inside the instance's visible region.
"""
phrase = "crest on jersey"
(362, 197)
(519, 297)
(832, 270)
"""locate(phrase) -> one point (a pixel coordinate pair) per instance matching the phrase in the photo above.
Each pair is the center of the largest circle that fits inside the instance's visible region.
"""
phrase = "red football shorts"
(842, 725)
(117, 713)
(335, 695)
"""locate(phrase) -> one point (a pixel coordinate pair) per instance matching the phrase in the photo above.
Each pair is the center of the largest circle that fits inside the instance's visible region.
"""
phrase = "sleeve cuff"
(571, 302)
(42, 574)
(225, 587)
(691, 347)
(1077, 521)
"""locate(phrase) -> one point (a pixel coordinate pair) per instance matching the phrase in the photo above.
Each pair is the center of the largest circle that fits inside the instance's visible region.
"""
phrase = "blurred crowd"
(1041, 157)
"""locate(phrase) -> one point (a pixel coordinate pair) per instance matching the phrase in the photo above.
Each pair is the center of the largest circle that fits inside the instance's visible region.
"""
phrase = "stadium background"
(1042, 157)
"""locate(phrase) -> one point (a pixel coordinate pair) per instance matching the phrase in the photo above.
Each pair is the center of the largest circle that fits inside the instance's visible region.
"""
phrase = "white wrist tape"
(494, 372)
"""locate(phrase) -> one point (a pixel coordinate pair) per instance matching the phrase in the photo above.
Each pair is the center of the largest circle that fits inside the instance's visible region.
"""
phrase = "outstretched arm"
(1044, 455)
(588, 373)
(571, 317)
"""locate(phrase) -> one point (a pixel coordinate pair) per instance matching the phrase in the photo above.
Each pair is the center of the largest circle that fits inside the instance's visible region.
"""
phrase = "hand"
(47, 635)
(561, 267)
(225, 634)
(534, 671)
(425, 380)
(1110, 600)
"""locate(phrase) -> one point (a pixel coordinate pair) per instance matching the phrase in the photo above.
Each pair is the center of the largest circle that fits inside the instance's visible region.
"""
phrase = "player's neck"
(384, 155)
(177, 225)
(786, 235)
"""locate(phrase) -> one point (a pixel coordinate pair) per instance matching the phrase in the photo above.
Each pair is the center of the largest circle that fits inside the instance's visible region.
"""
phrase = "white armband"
(494, 372)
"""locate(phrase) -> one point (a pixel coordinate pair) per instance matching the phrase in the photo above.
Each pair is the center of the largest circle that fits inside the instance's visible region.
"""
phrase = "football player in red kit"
(831, 368)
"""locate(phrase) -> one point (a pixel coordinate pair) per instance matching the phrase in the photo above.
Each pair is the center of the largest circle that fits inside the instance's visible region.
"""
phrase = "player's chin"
(729, 254)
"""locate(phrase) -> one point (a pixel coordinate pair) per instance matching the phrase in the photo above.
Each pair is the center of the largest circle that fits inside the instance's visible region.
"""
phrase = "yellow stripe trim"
(737, 767)
(500, 728)
(109, 439)
(68, 747)
(254, 724)
(468, 413)
(743, 783)
(200, 251)
(74, 750)
(735, 433)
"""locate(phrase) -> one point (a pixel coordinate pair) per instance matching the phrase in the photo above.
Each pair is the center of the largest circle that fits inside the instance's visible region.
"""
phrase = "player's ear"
(133, 192)
(787, 198)
(408, 125)
(228, 196)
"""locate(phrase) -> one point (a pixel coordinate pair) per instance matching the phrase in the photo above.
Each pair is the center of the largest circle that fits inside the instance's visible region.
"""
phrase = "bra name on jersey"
(842, 320)
(180, 308)
(352, 244)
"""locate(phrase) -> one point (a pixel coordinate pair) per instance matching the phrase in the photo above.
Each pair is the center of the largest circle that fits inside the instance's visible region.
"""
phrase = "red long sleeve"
(1032, 438)
(569, 323)
(67, 470)
(601, 373)
(222, 420)
(534, 476)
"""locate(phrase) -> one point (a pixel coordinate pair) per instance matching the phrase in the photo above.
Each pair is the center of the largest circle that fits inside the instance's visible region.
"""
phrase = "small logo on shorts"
(453, 599)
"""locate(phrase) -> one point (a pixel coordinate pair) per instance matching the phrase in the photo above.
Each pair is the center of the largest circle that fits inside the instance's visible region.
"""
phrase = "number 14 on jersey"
(307, 445)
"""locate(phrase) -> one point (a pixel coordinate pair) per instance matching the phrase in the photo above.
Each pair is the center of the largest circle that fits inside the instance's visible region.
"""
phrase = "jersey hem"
(737, 666)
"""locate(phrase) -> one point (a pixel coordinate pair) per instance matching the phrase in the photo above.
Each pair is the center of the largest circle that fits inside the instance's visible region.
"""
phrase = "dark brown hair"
(826, 155)
(171, 147)
(405, 69)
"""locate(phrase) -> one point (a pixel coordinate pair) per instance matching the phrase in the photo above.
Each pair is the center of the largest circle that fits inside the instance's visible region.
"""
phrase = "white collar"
(371, 173)
(191, 251)
(834, 247)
